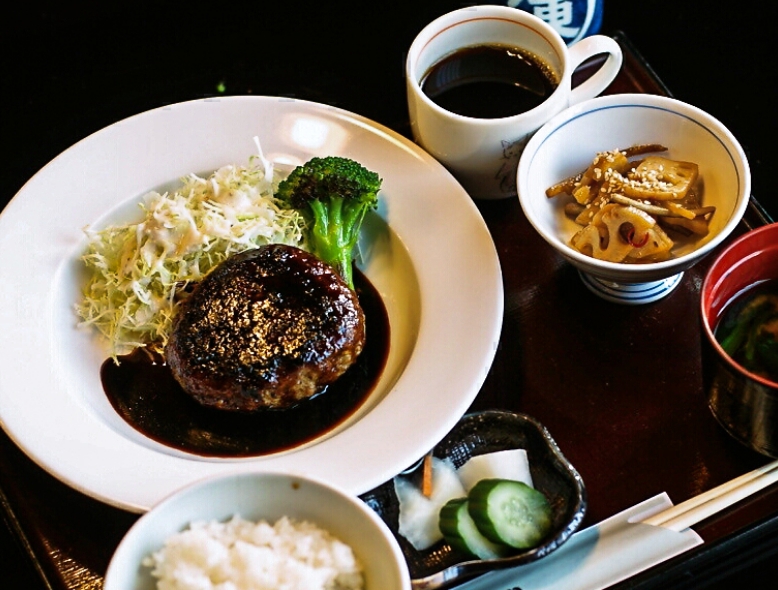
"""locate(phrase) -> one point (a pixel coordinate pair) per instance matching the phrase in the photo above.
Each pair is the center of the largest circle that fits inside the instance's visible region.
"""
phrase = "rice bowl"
(259, 530)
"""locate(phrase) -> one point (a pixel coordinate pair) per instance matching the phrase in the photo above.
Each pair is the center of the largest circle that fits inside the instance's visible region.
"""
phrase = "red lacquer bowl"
(744, 403)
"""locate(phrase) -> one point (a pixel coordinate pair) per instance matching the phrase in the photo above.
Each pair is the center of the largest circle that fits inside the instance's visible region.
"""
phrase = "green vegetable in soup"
(748, 330)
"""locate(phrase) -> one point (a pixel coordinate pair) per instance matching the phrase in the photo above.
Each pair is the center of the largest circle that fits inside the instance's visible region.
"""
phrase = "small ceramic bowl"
(262, 496)
(744, 403)
(440, 566)
(568, 143)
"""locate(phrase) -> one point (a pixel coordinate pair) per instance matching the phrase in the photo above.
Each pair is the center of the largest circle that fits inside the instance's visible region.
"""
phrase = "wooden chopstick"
(700, 507)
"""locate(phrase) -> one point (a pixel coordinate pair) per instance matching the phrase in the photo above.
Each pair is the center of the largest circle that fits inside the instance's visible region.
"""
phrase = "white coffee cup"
(481, 153)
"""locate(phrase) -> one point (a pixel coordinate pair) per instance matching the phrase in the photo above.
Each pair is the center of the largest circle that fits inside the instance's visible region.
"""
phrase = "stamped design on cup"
(506, 175)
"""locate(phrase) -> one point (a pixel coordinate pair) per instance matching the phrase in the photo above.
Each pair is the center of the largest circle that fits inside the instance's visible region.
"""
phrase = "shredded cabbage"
(140, 270)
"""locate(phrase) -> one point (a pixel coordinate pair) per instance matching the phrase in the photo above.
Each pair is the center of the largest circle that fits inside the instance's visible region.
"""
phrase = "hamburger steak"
(265, 329)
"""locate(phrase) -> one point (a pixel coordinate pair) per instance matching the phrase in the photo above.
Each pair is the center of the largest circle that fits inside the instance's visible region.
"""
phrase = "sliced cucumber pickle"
(510, 512)
(461, 533)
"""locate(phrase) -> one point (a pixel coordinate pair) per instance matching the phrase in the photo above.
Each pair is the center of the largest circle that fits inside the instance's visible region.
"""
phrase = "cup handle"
(586, 48)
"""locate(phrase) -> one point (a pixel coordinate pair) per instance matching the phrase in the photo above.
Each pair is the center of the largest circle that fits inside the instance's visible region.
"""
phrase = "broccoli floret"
(333, 194)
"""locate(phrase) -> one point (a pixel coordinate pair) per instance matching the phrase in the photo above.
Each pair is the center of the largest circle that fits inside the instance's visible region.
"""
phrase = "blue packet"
(572, 19)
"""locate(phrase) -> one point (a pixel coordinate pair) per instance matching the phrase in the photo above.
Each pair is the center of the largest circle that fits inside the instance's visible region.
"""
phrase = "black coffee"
(489, 82)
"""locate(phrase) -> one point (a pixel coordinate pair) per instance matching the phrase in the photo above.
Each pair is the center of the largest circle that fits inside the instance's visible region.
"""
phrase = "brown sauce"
(147, 396)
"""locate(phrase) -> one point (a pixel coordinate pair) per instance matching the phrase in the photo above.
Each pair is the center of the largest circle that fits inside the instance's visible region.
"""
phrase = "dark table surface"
(69, 71)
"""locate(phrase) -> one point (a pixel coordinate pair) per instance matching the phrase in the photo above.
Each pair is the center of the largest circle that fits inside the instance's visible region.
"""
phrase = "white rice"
(244, 555)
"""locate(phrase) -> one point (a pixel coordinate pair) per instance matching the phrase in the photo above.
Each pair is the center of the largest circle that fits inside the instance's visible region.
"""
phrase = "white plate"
(427, 251)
